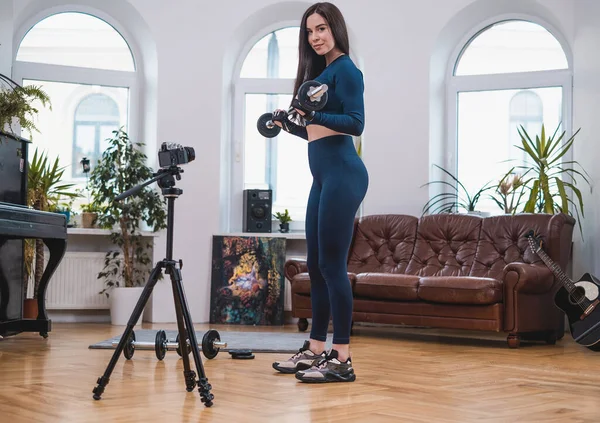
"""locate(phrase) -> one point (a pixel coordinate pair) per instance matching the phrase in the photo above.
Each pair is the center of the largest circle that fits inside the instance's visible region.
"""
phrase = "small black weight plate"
(129, 349)
(242, 356)
(208, 347)
(263, 129)
(178, 349)
(240, 352)
(160, 344)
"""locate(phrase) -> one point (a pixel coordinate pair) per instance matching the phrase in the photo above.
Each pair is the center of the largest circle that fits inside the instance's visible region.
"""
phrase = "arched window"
(526, 109)
(89, 72)
(508, 74)
(96, 117)
(265, 83)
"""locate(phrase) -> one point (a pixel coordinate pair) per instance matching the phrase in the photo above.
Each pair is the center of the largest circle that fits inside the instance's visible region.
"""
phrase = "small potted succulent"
(284, 221)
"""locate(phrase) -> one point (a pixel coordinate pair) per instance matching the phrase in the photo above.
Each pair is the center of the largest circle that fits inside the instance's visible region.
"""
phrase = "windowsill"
(102, 232)
(288, 235)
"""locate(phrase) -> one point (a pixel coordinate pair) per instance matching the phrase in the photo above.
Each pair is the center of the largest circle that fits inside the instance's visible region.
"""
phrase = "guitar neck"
(564, 279)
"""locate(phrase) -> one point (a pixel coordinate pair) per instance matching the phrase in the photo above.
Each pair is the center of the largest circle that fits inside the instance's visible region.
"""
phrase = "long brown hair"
(310, 64)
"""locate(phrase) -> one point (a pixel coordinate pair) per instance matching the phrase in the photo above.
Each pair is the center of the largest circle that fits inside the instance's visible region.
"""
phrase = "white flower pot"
(480, 213)
(122, 303)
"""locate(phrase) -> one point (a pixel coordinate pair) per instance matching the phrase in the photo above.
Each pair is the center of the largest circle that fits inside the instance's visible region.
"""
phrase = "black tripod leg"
(133, 319)
(188, 374)
(203, 385)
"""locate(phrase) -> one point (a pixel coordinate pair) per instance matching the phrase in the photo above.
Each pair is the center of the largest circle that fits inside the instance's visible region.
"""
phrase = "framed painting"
(247, 283)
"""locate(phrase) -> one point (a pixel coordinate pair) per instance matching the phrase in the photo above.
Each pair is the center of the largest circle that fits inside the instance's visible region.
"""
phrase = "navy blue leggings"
(340, 182)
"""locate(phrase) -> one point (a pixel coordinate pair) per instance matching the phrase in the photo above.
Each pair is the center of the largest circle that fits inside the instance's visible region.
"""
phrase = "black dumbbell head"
(266, 127)
(306, 102)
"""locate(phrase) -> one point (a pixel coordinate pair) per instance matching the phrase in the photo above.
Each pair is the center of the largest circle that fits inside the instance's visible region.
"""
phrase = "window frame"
(504, 81)
(23, 70)
(241, 87)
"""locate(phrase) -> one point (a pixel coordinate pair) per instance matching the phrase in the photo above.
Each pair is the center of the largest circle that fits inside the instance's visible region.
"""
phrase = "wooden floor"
(402, 376)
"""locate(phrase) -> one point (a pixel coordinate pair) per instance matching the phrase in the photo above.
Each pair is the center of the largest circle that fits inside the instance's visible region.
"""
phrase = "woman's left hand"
(300, 112)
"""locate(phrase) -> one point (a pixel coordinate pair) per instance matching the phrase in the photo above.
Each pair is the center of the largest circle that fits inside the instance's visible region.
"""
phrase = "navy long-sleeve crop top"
(344, 111)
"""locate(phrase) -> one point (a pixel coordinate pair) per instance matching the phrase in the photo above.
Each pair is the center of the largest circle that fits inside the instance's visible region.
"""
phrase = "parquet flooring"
(402, 376)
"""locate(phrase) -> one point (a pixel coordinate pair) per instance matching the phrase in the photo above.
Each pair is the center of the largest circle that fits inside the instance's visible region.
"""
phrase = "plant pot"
(479, 213)
(88, 220)
(30, 309)
(284, 227)
(122, 303)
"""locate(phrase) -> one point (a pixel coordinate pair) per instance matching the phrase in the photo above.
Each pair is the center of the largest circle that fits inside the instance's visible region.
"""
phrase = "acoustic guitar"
(579, 300)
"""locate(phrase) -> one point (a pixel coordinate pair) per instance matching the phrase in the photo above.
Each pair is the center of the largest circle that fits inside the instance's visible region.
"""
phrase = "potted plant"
(16, 105)
(510, 191)
(44, 190)
(126, 268)
(548, 188)
(457, 199)
(284, 221)
(89, 214)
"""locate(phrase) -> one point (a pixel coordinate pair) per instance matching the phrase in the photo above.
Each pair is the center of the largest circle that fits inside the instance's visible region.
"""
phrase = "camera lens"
(191, 153)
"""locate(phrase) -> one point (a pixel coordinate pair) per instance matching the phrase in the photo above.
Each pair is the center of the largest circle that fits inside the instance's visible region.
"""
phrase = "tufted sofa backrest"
(455, 244)
(382, 243)
(503, 241)
(445, 245)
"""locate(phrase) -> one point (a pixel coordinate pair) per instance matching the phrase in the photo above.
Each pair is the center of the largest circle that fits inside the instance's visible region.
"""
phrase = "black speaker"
(257, 210)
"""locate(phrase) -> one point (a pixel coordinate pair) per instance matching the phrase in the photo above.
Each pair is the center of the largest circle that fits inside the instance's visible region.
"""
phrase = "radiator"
(75, 284)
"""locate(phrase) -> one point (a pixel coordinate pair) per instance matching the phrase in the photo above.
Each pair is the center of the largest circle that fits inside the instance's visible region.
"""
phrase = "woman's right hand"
(276, 122)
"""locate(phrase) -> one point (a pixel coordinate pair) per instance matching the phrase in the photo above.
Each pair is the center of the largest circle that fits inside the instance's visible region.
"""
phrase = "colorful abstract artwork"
(247, 286)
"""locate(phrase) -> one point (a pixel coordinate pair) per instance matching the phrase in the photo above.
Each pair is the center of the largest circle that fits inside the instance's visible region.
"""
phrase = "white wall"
(403, 48)
(6, 36)
(586, 105)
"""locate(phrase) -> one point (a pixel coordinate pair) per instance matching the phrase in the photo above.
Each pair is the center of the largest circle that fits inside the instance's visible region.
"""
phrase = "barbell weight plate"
(178, 349)
(263, 125)
(306, 102)
(129, 349)
(208, 348)
(160, 344)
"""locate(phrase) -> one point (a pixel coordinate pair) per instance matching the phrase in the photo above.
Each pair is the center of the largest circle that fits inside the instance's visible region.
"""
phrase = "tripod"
(166, 181)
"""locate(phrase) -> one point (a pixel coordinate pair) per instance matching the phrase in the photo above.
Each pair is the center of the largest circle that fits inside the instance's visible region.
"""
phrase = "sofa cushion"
(301, 283)
(386, 286)
(382, 243)
(460, 290)
(445, 245)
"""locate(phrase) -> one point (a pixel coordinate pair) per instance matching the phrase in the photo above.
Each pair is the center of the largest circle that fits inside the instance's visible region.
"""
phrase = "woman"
(340, 182)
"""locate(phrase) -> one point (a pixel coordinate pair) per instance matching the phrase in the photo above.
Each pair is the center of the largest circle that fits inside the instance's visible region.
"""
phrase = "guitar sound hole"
(578, 296)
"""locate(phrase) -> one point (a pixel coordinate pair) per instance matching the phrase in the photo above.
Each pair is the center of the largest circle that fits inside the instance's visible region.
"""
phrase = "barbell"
(211, 344)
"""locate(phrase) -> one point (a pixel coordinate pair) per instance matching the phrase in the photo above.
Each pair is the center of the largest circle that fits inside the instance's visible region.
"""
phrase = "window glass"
(274, 56)
(511, 46)
(76, 39)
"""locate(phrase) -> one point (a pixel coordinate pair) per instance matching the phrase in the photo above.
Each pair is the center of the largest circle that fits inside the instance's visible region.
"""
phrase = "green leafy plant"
(457, 199)
(510, 191)
(44, 191)
(548, 187)
(283, 217)
(18, 102)
(122, 167)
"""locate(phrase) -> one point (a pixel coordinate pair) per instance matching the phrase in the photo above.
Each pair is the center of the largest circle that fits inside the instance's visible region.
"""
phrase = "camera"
(172, 154)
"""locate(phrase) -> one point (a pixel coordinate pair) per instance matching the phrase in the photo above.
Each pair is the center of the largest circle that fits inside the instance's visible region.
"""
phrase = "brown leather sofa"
(452, 271)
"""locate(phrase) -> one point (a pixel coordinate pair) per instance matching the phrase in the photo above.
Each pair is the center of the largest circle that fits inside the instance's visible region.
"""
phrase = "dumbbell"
(211, 344)
(312, 96)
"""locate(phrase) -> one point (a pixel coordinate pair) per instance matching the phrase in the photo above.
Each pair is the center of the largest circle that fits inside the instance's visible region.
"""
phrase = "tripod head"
(166, 181)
